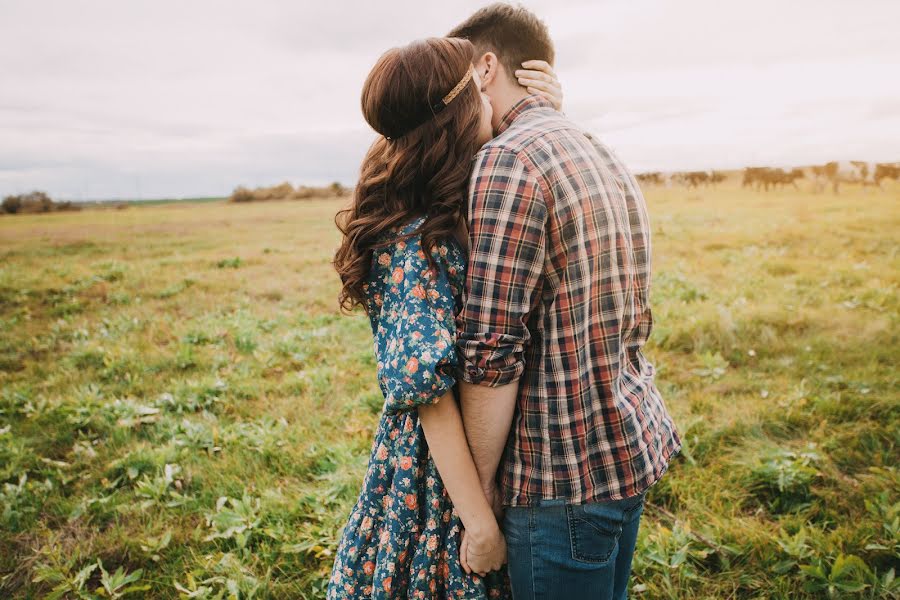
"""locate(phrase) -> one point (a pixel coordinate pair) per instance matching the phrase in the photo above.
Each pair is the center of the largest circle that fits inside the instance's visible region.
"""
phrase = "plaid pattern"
(557, 291)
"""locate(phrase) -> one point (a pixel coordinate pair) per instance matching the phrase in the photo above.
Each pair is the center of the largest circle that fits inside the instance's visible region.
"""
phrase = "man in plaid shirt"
(556, 312)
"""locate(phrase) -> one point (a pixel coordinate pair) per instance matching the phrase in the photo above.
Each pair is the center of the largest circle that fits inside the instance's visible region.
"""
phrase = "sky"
(103, 99)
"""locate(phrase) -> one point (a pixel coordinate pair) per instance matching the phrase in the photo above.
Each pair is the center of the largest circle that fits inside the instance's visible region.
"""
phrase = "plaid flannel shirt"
(557, 297)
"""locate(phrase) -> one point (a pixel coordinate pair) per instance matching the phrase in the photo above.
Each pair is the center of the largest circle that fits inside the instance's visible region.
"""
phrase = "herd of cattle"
(832, 174)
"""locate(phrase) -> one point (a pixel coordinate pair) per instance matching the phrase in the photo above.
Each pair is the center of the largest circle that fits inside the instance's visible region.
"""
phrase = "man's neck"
(503, 100)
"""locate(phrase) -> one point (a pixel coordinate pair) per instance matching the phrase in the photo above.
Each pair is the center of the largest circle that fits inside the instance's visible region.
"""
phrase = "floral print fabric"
(402, 537)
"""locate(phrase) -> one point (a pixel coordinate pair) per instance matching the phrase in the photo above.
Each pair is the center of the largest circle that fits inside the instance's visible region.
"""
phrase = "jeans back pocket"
(595, 528)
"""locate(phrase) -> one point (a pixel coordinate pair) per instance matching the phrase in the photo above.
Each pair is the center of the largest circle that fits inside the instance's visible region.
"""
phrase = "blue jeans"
(572, 551)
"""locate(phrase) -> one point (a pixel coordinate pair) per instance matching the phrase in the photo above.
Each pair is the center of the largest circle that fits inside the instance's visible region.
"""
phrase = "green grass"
(183, 405)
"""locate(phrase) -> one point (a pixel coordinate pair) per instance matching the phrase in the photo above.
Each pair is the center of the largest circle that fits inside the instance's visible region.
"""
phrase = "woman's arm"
(443, 427)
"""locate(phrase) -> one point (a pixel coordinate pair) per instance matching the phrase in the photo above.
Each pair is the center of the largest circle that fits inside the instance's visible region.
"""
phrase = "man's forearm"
(445, 434)
(487, 414)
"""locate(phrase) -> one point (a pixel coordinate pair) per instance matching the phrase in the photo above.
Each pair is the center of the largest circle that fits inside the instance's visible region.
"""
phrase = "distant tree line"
(834, 173)
(286, 191)
(35, 202)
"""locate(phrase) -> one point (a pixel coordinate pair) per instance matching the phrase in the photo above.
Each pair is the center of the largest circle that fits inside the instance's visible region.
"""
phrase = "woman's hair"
(419, 165)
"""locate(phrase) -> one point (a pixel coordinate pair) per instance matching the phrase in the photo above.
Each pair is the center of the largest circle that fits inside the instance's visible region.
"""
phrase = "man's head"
(504, 36)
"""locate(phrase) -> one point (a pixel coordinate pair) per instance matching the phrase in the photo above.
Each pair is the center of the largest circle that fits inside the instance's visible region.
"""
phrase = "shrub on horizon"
(35, 202)
(286, 191)
(241, 194)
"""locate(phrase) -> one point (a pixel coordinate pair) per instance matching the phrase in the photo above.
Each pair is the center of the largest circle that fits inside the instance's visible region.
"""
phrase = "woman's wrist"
(484, 529)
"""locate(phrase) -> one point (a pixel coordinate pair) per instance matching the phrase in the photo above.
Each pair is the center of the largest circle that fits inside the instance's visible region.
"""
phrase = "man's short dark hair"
(513, 33)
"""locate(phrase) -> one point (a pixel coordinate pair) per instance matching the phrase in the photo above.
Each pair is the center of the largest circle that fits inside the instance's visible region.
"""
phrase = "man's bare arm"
(487, 415)
(446, 439)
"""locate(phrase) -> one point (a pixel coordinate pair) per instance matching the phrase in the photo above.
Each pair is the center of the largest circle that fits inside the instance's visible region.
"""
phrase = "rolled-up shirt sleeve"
(507, 217)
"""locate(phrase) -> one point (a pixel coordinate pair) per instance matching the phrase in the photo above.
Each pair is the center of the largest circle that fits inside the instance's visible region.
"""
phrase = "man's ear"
(488, 68)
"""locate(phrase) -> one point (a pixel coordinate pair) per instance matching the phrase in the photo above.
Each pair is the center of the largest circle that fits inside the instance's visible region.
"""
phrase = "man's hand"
(482, 555)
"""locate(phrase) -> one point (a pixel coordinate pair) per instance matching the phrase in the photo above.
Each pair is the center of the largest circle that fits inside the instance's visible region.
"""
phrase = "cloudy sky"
(163, 98)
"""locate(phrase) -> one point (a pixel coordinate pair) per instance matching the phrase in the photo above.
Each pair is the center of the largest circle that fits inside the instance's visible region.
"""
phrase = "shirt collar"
(527, 103)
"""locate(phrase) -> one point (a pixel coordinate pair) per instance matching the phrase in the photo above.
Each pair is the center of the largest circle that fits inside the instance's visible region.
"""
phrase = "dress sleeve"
(416, 333)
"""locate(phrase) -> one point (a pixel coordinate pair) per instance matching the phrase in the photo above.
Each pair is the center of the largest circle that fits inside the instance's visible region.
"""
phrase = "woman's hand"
(482, 554)
(538, 77)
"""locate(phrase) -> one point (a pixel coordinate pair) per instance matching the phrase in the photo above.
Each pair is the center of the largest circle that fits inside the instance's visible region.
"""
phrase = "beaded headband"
(443, 102)
(459, 86)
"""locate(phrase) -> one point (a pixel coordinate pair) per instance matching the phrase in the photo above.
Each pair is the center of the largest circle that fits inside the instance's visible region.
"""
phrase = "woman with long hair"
(402, 258)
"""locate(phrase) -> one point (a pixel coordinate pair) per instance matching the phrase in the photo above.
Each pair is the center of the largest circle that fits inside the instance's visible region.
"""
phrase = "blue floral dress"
(402, 537)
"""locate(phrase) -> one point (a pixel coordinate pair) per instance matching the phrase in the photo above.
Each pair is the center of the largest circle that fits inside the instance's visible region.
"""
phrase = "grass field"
(185, 413)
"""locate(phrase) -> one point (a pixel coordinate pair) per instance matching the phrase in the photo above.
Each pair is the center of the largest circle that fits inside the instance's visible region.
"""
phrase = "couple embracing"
(508, 297)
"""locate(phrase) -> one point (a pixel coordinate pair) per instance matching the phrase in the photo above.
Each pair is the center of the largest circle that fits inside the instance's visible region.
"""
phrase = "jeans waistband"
(547, 502)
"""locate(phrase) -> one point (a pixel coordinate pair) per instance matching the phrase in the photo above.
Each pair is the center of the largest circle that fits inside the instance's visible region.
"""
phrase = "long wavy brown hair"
(419, 165)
